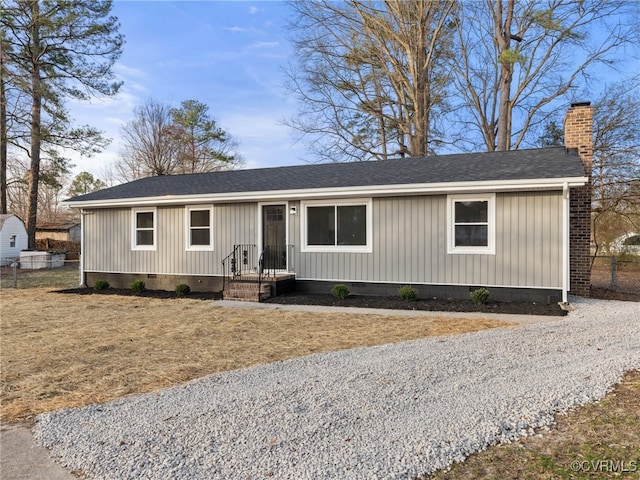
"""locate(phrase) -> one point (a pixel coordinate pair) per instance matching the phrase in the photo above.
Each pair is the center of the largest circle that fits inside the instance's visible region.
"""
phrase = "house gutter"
(566, 266)
(82, 214)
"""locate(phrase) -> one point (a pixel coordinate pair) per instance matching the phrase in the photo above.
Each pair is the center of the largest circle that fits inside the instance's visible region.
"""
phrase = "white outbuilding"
(13, 238)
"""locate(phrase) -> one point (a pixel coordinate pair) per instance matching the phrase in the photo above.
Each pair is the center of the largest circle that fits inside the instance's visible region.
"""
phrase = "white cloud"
(126, 71)
(235, 29)
(264, 44)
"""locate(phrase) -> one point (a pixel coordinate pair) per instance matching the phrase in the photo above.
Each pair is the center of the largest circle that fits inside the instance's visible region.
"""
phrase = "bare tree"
(53, 177)
(616, 163)
(17, 187)
(149, 148)
(161, 140)
(369, 76)
(514, 59)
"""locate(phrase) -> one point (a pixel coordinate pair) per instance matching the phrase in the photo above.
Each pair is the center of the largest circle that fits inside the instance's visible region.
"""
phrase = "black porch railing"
(243, 260)
(274, 258)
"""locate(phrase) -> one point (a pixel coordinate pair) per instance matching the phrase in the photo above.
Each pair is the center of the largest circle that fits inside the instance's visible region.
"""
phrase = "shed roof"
(6, 216)
(532, 164)
(54, 226)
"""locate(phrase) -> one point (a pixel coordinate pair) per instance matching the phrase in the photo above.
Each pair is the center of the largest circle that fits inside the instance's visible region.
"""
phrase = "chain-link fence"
(50, 272)
(618, 273)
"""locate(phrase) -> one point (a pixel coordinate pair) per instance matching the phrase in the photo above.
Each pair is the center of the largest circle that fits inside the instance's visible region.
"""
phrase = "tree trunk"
(3, 133)
(36, 112)
(418, 140)
(503, 38)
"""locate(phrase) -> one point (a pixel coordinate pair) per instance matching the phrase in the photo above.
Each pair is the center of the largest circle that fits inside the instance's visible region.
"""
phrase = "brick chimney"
(578, 134)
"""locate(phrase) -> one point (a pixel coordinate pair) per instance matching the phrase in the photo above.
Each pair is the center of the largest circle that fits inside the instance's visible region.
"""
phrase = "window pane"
(200, 218)
(352, 225)
(144, 237)
(472, 236)
(472, 212)
(321, 226)
(200, 236)
(144, 220)
(275, 213)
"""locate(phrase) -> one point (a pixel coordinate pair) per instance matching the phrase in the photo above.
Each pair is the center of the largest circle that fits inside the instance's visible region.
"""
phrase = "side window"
(199, 228)
(144, 229)
(471, 224)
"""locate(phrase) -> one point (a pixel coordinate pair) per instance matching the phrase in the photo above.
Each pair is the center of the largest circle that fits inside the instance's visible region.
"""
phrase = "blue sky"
(226, 54)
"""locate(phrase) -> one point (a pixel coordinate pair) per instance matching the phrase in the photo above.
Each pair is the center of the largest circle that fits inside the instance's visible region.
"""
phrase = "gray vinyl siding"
(108, 241)
(410, 245)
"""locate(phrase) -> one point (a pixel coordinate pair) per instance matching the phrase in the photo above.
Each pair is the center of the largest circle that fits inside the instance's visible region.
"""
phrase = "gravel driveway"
(387, 412)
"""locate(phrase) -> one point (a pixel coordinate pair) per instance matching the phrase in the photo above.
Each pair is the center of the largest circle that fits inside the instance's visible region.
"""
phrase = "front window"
(339, 226)
(144, 229)
(471, 224)
(199, 228)
(12, 241)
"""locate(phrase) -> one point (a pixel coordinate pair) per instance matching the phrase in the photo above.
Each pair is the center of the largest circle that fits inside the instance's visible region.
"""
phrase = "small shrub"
(183, 289)
(408, 293)
(138, 286)
(101, 285)
(479, 296)
(340, 291)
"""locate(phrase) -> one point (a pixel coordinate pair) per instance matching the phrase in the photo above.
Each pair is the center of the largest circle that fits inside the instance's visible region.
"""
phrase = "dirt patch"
(363, 301)
(431, 305)
(126, 292)
(396, 303)
(607, 294)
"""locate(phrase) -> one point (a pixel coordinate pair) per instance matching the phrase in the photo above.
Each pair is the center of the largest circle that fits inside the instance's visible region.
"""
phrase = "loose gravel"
(387, 412)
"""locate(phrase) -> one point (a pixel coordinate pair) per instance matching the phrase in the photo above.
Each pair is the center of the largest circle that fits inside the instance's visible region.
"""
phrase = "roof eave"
(342, 192)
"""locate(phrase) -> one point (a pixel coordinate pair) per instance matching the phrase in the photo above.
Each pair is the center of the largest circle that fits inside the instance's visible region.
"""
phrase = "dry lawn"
(62, 350)
(597, 441)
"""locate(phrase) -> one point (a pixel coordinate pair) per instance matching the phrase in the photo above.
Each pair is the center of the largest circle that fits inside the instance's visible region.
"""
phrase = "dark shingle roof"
(53, 226)
(543, 163)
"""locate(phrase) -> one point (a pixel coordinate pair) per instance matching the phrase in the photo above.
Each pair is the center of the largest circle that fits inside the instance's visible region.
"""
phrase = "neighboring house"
(517, 222)
(627, 244)
(66, 232)
(13, 238)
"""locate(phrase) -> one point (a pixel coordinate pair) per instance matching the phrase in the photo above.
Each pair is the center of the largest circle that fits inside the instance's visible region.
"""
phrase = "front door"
(274, 237)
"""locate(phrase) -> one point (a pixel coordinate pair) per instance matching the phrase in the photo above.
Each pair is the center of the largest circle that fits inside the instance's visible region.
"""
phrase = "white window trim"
(490, 249)
(134, 212)
(368, 248)
(187, 222)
